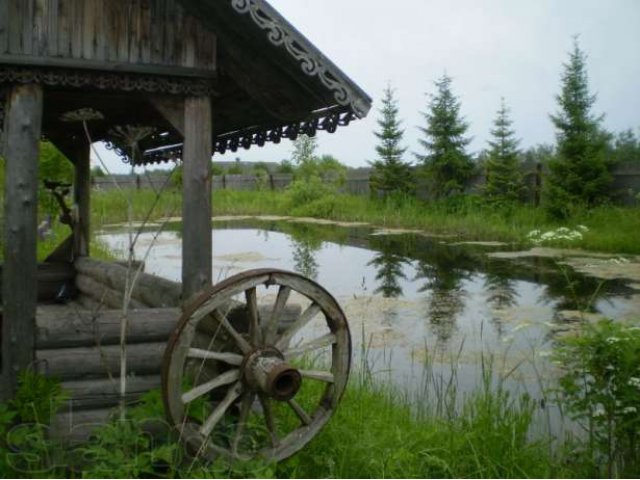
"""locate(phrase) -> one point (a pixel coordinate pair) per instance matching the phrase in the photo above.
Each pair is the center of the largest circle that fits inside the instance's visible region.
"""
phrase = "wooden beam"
(196, 188)
(82, 198)
(19, 283)
(172, 109)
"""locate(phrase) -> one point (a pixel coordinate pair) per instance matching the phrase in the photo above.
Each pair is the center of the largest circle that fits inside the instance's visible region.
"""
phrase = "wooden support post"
(82, 198)
(23, 125)
(196, 192)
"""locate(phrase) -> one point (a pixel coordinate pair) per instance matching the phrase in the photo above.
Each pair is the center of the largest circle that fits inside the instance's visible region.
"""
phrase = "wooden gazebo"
(201, 76)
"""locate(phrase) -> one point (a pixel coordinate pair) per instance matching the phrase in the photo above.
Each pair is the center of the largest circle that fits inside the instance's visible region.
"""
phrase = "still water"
(413, 302)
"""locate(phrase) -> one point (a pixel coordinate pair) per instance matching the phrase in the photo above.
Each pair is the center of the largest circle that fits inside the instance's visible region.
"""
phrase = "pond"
(416, 304)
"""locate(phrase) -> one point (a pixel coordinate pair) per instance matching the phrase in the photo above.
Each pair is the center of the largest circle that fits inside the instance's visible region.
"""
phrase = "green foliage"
(504, 183)
(579, 174)
(626, 147)
(390, 175)
(445, 162)
(96, 172)
(600, 386)
(285, 166)
(216, 170)
(55, 167)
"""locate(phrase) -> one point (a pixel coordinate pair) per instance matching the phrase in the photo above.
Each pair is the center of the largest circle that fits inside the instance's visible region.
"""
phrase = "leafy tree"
(445, 162)
(626, 147)
(97, 172)
(55, 167)
(504, 178)
(304, 156)
(285, 166)
(579, 174)
(391, 175)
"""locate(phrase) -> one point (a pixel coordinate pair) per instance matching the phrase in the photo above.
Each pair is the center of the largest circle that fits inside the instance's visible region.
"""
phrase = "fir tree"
(579, 173)
(391, 175)
(504, 178)
(446, 164)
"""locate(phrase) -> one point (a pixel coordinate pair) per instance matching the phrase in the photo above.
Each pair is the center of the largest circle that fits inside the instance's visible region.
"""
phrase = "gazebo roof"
(265, 79)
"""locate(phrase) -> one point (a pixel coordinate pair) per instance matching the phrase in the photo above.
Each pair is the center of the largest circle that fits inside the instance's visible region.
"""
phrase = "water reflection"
(390, 268)
(305, 245)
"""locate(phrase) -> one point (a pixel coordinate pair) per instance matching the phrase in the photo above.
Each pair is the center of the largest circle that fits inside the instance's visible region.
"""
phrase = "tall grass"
(611, 228)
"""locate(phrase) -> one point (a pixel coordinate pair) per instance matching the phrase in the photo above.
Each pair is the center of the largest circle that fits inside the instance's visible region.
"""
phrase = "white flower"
(610, 367)
(612, 340)
(533, 233)
(583, 228)
(634, 382)
(629, 410)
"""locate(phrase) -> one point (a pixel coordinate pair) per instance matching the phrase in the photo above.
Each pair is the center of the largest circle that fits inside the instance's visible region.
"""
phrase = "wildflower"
(610, 367)
(634, 382)
(533, 233)
(612, 340)
(627, 410)
(583, 228)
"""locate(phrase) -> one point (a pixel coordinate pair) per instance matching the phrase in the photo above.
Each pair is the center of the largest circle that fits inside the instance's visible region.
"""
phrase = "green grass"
(375, 433)
(611, 229)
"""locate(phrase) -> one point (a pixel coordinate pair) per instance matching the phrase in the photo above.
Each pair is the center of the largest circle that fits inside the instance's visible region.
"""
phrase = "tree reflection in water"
(389, 270)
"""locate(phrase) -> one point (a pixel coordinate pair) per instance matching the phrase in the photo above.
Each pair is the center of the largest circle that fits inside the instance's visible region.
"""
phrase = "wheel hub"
(265, 371)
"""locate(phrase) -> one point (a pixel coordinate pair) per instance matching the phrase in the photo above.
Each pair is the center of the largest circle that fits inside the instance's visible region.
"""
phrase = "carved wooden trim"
(313, 63)
(88, 79)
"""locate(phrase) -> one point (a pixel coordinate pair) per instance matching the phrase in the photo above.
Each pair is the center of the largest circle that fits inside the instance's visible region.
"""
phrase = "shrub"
(600, 387)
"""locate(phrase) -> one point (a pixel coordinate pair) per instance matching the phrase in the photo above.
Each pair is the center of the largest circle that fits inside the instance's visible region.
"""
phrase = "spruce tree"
(390, 175)
(446, 164)
(504, 178)
(579, 173)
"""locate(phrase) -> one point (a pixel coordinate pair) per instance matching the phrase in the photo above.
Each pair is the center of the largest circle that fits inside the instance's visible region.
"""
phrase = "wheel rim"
(259, 386)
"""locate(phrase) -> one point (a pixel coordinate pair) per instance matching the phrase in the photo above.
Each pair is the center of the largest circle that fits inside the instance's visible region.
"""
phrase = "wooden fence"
(625, 187)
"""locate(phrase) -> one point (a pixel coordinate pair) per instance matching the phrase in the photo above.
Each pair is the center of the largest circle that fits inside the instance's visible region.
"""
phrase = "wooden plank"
(145, 32)
(122, 19)
(82, 198)
(77, 27)
(64, 28)
(106, 66)
(196, 208)
(40, 27)
(19, 275)
(27, 20)
(158, 10)
(15, 27)
(58, 326)
(52, 27)
(172, 109)
(134, 31)
(99, 362)
(101, 393)
(4, 26)
(88, 30)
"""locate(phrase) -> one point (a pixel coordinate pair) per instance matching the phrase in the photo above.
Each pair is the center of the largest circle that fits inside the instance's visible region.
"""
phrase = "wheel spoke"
(242, 343)
(211, 422)
(226, 357)
(224, 379)
(300, 412)
(269, 420)
(324, 341)
(308, 315)
(272, 327)
(318, 375)
(255, 335)
(245, 408)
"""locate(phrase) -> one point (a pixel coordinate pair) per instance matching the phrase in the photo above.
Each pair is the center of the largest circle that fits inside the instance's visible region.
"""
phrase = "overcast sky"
(491, 48)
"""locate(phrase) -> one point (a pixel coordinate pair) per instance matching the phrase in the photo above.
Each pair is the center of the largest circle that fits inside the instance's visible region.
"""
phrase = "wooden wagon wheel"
(240, 382)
